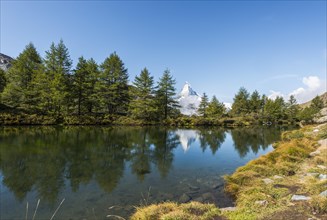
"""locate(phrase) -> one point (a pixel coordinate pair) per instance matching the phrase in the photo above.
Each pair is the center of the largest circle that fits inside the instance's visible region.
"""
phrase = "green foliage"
(292, 109)
(275, 109)
(203, 105)
(255, 102)
(241, 102)
(112, 88)
(215, 108)
(165, 96)
(19, 91)
(143, 104)
(3, 80)
(58, 71)
(317, 104)
(83, 86)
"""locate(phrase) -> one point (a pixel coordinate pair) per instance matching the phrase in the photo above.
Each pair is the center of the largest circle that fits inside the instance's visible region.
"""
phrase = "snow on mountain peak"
(189, 100)
(187, 90)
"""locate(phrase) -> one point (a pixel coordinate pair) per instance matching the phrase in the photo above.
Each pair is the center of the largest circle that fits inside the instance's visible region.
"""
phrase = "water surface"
(95, 168)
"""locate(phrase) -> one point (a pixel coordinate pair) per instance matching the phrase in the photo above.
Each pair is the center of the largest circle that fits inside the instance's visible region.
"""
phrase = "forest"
(50, 90)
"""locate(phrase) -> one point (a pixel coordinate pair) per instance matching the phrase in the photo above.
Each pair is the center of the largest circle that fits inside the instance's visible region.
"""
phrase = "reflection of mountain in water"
(186, 138)
(46, 159)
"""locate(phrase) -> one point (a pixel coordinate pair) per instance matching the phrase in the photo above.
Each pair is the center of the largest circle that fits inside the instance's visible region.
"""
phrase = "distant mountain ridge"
(323, 98)
(5, 61)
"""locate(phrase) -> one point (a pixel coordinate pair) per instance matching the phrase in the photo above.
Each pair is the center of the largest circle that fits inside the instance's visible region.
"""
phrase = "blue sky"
(276, 47)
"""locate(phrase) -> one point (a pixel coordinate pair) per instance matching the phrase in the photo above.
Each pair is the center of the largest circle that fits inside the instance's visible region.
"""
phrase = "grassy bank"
(263, 188)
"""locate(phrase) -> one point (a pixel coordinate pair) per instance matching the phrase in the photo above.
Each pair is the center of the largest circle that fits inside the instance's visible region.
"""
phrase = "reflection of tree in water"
(141, 154)
(254, 138)
(164, 141)
(42, 158)
(212, 137)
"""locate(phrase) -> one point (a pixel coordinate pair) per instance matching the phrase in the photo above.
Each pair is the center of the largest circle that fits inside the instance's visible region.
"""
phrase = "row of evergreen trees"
(257, 106)
(52, 86)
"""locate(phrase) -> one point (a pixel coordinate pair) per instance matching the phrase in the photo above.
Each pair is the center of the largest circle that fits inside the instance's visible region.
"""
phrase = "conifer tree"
(241, 102)
(203, 105)
(215, 108)
(143, 105)
(166, 92)
(317, 104)
(18, 92)
(112, 87)
(80, 88)
(255, 102)
(3, 80)
(292, 108)
(58, 68)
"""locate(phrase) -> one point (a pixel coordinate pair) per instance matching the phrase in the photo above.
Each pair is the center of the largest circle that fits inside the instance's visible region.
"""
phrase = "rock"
(267, 181)
(192, 187)
(278, 177)
(261, 202)
(230, 209)
(199, 199)
(300, 198)
(316, 130)
(322, 176)
(217, 185)
(314, 153)
(312, 174)
(322, 167)
(184, 198)
(324, 193)
(207, 196)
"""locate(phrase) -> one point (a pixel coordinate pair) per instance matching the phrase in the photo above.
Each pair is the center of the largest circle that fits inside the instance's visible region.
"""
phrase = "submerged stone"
(217, 185)
(184, 198)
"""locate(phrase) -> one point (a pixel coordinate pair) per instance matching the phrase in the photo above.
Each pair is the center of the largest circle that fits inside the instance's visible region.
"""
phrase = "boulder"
(278, 177)
(322, 167)
(230, 209)
(324, 193)
(314, 153)
(267, 181)
(300, 198)
(322, 176)
(261, 202)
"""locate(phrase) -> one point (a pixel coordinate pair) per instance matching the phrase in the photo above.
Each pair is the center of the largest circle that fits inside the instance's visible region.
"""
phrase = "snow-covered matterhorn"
(189, 100)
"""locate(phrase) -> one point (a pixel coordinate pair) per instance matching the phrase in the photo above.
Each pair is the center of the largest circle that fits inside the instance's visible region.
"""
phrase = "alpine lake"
(98, 171)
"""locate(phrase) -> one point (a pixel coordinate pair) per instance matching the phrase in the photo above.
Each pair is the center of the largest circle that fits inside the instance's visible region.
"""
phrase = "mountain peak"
(5, 61)
(187, 90)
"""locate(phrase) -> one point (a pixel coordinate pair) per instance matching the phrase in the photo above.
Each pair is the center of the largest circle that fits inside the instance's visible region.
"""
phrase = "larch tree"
(143, 104)
(165, 97)
(112, 87)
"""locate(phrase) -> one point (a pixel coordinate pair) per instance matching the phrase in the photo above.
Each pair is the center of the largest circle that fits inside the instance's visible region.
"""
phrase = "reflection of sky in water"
(194, 161)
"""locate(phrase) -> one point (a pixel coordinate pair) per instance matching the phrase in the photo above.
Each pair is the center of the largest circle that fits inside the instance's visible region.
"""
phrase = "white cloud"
(313, 82)
(274, 94)
(313, 86)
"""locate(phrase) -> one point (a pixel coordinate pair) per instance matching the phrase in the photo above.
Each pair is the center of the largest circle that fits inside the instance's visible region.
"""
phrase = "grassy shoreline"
(264, 187)
(14, 119)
